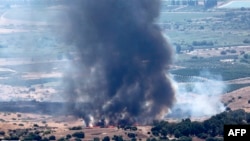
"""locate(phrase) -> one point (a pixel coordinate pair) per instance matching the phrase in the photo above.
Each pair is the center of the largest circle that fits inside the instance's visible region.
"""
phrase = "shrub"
(47, 132)
(11, 138)
(96, 139)
(131, 135)
(68, 136)
(2, 133)
(106, 138)
(194, 57)
(37, 132)
(32, 136)
(76, 128)
(134, 139)
(223, 52)
(246, 41)
(228, 109)
(185, 138)
(117, 138)
(78, 134)
(45, 139)
(233, 51)
(52, 137)
(214, 139)
(202, 135)
(245, 56)
(20, 132)
(133, 128)
(20, 124)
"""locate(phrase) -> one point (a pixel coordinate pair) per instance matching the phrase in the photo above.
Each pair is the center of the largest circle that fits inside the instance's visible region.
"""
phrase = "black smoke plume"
(122, 61)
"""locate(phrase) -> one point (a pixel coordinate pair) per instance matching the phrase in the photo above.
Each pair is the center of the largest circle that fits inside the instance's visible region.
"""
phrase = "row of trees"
(211, 128)
(207, 3)
(210, 3)
(184, 2)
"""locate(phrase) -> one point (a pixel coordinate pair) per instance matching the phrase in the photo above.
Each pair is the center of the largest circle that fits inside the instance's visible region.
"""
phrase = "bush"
(202, 135)
(106, 138)
(117, 138)
(76, 128)
(134, 139)
(20, 124)
(78, 134)
(52, 137)
(11, 138)
(2, 133)
(214, 139)
(32, 136)
(68, 136)
(245, 56)
(185, 138)
(194, 57)
(96, 139)
(202, 43)
(47, 132)
(177, 133)
(246, 41)
(45, 139)
(131, 135)
(233, 51)
(244, 60)
(133, 128)
(223, 52)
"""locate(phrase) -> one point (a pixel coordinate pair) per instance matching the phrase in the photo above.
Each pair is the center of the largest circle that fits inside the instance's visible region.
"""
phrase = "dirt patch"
(238, 99)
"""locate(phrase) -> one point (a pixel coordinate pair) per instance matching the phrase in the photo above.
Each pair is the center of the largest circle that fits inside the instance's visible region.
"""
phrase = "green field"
(220, 28)
(34, 14)
(185, 16)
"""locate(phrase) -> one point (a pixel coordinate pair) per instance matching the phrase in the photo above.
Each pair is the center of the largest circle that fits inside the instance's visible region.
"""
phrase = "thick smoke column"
(122, 61)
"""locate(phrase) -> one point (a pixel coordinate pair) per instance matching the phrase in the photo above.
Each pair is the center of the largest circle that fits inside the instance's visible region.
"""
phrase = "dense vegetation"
(211, 129)
(208, 129)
